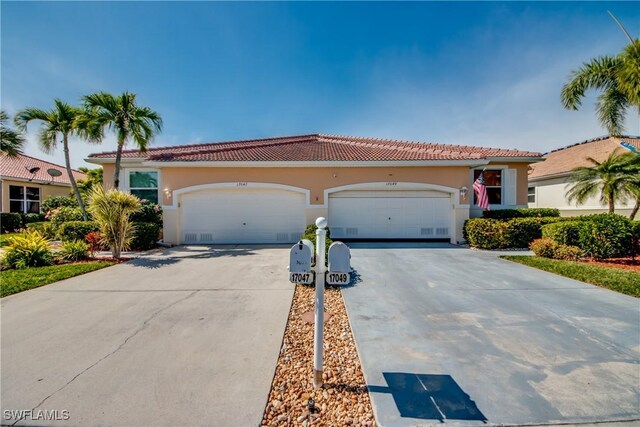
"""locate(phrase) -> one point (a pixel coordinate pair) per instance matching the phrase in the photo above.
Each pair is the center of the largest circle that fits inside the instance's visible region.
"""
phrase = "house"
(548, 179)
(26, 181)
(268, 190)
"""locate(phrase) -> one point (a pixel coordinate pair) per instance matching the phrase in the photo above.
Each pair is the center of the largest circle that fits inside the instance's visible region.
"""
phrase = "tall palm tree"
(121, 115)
(618, 80)
(61, 121)
(614, 178)
(11, 142)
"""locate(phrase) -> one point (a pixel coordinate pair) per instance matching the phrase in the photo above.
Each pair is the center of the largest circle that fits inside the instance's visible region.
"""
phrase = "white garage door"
(390, 215)
(242, 215)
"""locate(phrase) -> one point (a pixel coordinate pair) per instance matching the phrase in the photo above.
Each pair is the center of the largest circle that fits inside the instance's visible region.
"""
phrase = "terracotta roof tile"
(563, 160)
(18, 167)
(317, 147)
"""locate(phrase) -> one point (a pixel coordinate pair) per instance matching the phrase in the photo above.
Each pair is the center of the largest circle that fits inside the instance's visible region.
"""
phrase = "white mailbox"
(308, 243)
(300, 263)
(339, 264)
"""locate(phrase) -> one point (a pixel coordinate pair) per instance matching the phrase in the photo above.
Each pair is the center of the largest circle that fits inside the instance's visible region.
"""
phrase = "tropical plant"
(55, 202)
(29, 249)
(74, 250)
(111, 209)
(11, 142)
(94, 241)
(61, 121)
(614, 179)
(121, 115)
(632, 168)
(94, 177)
(617, 78)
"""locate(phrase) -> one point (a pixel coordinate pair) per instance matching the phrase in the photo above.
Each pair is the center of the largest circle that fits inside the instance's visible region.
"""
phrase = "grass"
(616, 279)
(4, 238)
(14, 281)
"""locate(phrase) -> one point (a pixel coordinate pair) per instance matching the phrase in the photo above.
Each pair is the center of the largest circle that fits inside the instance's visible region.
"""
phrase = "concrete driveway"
(189, 336)
(451, 335)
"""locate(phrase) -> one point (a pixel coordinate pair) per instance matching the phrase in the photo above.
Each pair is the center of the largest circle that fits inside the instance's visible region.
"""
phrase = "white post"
(318, 326)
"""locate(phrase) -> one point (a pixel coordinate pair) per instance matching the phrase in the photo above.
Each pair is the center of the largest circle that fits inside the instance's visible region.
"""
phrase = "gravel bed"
(343, 399)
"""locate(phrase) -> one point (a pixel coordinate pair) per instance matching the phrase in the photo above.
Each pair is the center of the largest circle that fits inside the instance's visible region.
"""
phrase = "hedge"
(521, 213)
(310, 234)
(146, 236)
(10, 222)
(606, 236)
(498, 234)
(635, 226)
(564, 233)
(76, 230)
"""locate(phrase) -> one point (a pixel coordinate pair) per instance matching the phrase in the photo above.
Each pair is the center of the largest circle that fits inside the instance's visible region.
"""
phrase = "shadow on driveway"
(180, 253)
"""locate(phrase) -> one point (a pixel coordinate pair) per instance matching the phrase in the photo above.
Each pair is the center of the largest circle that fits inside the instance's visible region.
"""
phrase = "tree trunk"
(634, 211)
(72, 180)
(612, 204)
(115, 252)
(116, 173)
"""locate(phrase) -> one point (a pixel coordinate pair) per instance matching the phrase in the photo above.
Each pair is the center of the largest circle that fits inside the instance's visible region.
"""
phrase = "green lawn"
(14, 281)
(4, 238)
(616, 279)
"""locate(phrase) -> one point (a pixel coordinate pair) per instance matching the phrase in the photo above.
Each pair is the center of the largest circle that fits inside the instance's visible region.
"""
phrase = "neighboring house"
(268, 190)
(548, 179)
(26, 181)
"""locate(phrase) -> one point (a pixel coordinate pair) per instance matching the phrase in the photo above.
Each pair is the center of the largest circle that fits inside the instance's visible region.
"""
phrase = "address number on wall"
(391, 184)
(241, 184)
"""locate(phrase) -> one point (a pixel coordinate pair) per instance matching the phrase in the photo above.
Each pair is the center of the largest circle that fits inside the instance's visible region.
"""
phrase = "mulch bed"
(632, 264)
(343, 399)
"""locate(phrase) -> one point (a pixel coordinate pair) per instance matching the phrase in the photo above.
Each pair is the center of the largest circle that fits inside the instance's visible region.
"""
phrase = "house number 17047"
(389, 184)
(241, 184)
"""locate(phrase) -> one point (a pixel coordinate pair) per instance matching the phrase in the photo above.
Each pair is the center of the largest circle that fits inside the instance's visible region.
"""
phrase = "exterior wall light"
(463, 192)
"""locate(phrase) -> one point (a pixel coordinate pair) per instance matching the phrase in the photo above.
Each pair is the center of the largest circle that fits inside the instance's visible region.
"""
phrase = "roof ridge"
(201, 144)
(43, 161)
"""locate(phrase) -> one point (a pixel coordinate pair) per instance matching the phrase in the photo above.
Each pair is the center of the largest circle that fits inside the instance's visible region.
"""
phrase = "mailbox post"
(318, 326)
(300, 261)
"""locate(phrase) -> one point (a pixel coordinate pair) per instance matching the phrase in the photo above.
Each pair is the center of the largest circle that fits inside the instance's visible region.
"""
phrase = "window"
(531, 194)
(144, 184)
(493, 182)
(24, 199)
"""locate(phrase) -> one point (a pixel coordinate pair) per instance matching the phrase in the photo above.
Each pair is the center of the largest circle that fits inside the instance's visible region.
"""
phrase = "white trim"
(284, 164)
(112, 160)
(516, 159)
(181, 191)
(36, 182)
(504, 177)
(124, 179)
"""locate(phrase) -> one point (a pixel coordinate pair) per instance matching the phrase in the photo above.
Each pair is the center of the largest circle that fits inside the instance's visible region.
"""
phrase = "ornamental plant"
(111, 209)
(30, 249)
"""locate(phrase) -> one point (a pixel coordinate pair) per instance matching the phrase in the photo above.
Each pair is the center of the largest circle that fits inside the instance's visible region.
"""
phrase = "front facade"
(26, 181)
(268, 190)
(549, 180)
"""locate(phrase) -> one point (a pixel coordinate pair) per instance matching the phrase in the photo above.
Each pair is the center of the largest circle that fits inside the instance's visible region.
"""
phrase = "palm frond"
(611, 108)
(599, 73)
(11, 142)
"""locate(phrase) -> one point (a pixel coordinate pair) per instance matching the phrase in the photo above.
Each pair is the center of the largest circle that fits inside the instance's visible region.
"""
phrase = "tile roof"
(317, 147)
(18, 167)
(563, 160)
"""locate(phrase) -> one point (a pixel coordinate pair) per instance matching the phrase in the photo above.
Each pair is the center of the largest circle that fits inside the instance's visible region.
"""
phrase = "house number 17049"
(389, 184)
(241, 184)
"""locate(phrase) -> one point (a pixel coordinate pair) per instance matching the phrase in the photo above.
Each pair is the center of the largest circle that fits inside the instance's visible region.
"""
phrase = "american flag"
(481, 192)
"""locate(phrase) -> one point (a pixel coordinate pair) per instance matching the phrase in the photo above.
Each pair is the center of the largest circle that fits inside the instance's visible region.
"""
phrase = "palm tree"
(11, 142)
(632, 168)
(615, 179)
(618, 80)
(121, 115)
(60, 121)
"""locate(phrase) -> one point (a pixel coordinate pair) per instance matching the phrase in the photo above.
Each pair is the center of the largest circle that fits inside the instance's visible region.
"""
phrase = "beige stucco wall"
(316, 180)
(45, 191)
(550, 193)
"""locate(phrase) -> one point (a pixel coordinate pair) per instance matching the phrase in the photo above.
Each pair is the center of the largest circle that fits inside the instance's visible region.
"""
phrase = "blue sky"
(485, 73)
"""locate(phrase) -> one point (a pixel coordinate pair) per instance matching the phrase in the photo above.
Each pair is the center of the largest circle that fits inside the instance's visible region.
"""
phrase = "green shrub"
(485, 233)
(520, 232)
(145, 236)
(606, 236)
(310, 234)
(64, 214)
(10, 222)
(32, 217)
(56, 202)
(563, 232)
(76, 230)
(74, 250)
(521, 213)
(149, 212)
(44, 228)
(635, 237)
(544, 247)
(567, 252)
(29, 249)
